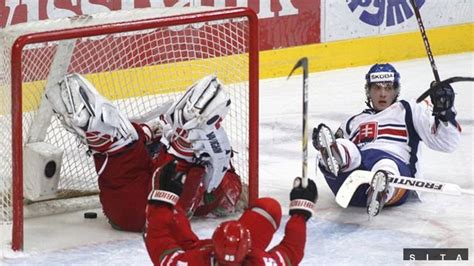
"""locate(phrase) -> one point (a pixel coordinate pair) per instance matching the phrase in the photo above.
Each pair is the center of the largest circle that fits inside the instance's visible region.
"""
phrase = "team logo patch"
(367, 132)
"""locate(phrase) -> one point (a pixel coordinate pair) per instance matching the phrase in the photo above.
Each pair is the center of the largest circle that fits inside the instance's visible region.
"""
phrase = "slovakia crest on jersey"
(367, 132)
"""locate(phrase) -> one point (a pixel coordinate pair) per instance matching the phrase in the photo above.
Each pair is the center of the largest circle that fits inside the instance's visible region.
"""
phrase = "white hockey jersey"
(399, 129)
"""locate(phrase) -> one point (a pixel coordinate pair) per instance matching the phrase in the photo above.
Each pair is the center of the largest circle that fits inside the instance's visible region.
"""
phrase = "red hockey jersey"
(170, 241)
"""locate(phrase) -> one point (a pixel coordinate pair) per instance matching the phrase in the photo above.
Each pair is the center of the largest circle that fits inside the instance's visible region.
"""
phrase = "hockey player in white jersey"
(385, 138)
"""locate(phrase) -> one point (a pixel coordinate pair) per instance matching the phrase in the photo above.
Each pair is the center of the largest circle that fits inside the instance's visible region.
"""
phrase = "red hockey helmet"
(231, 243)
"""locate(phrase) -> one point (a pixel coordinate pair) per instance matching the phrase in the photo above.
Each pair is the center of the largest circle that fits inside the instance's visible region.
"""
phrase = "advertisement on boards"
(351, 19)
(283, 23)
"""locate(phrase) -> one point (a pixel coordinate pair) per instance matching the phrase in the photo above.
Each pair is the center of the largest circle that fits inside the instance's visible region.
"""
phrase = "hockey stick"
(359, 177)
(303, 62)
(59, 67)
(439, 83)
(425, 40)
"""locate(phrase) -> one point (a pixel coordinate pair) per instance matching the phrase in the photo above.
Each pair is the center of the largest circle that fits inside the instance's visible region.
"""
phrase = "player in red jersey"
(170, 240)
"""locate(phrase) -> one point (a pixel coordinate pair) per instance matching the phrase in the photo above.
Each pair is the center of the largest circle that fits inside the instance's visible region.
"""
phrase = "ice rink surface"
(335, 236)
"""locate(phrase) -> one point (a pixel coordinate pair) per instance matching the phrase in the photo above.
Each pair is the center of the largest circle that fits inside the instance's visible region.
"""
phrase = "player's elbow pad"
(453, 145)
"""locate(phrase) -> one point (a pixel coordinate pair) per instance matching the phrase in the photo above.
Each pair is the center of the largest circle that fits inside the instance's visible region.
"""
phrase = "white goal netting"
(137, 70)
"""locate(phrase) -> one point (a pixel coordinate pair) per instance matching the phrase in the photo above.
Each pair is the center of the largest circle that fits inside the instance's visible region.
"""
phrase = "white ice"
(335, 236)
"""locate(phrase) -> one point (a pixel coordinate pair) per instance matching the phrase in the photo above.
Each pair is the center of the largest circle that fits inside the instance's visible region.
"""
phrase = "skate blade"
(378, 184)
(326, 142)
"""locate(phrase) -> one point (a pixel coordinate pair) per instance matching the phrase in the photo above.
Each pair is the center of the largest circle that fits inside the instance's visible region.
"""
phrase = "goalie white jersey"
(399, 129)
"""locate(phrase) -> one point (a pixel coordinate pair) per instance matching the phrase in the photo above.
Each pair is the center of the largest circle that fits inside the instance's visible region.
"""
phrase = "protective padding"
(41, 170)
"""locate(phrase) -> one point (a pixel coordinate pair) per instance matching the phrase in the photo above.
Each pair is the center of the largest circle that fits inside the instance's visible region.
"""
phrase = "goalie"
(385, 138)
(127, 154)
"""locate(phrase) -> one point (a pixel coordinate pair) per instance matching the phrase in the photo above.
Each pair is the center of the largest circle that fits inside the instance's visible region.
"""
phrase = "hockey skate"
(325, 142)
(377, 193)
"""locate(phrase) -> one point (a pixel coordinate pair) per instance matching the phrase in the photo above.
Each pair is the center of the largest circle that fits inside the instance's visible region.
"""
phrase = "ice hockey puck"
(90, 215)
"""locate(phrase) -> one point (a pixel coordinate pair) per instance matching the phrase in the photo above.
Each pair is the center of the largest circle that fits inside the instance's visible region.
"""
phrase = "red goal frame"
(88, 31)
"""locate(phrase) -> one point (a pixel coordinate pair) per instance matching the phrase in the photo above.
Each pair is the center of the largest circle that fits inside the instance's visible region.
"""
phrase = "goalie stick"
(439, 83)
(303, 62)
(359, 177)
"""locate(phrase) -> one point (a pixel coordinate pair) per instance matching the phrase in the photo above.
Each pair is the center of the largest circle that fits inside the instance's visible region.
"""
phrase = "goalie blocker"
(359, 177)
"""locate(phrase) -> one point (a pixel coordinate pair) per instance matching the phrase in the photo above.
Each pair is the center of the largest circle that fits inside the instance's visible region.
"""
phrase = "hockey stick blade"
(446, 81)
(303, 62)
(359, 177)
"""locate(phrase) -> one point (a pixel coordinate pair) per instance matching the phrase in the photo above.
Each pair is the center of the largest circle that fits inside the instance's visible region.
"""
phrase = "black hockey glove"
(303, 199)
(314, 137)
(442, 99)
(170, 185)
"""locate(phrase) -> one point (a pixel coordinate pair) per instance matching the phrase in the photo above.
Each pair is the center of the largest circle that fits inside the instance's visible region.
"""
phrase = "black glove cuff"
(447, 116)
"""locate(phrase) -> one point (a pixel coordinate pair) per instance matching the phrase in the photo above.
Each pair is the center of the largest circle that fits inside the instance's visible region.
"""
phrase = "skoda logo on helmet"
(382, 77)
(382, 73)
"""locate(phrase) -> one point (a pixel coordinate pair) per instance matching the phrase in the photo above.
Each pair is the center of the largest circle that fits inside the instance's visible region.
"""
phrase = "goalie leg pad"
(213, 150)
(90, 116)
(204, 105)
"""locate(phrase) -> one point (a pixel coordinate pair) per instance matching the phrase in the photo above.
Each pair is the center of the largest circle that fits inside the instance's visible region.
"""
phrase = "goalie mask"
(231, 243)
(382, 75)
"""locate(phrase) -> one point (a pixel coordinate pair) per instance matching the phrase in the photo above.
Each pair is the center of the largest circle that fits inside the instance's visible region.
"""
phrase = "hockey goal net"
(138, 59)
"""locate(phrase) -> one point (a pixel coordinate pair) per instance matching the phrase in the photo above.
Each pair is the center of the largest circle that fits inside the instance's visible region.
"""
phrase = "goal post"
(136, 58)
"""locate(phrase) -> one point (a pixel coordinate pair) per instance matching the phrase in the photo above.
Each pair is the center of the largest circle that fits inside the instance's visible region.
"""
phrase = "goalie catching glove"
(303, 199)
